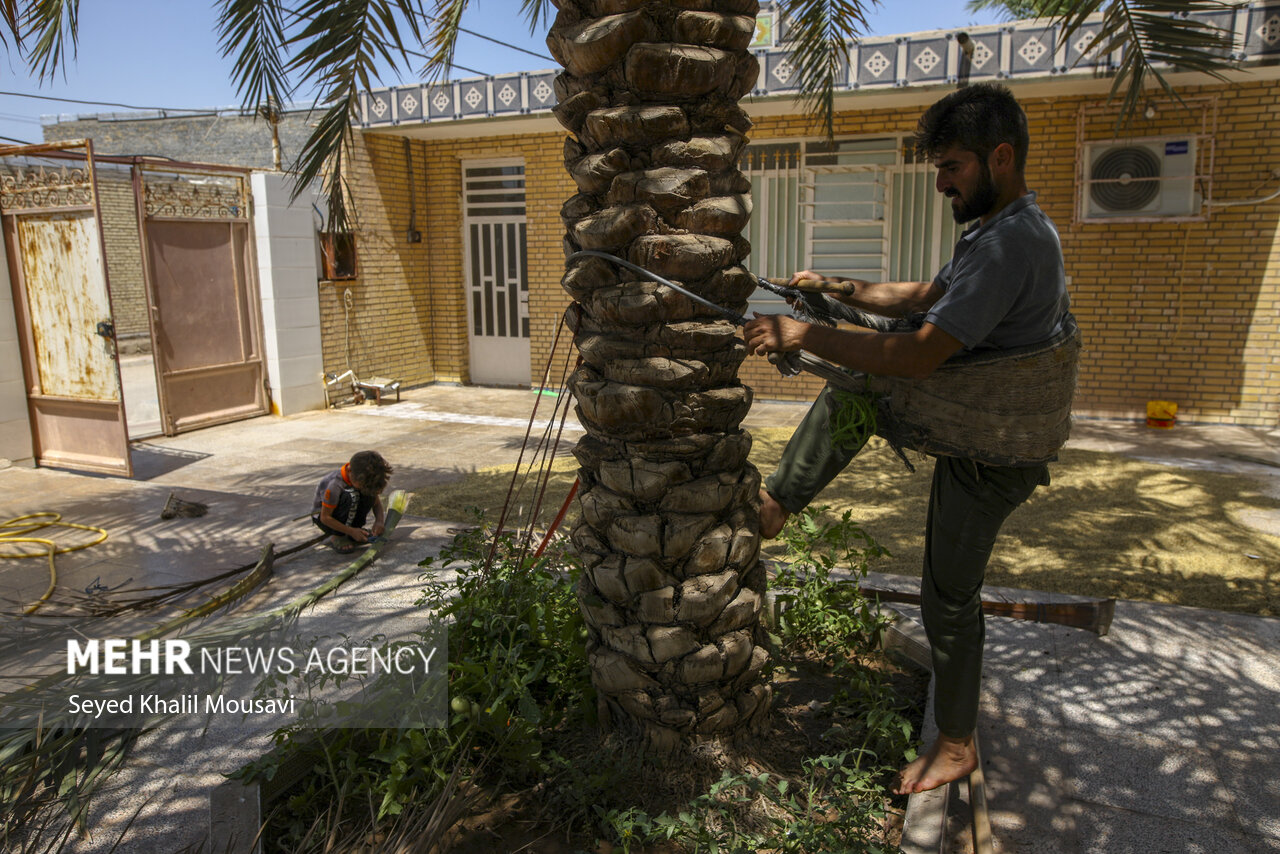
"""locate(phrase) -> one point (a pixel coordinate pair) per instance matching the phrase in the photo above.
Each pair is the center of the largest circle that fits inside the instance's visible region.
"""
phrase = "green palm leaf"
(1152, 33)
(55, 26)
(253, 30)
(537, 13)
(447, 23)
(820, 32)
(338, 46)
(12, 20)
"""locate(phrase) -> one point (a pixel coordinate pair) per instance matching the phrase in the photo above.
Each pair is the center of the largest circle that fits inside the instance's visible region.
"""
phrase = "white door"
(496, 271)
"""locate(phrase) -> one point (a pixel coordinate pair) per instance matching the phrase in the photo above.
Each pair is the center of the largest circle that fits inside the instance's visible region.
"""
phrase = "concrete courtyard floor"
(1164, 735)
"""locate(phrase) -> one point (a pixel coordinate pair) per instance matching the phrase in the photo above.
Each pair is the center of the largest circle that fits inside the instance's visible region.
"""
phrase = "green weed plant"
(521, 708)
(819, 609)
(517, 671)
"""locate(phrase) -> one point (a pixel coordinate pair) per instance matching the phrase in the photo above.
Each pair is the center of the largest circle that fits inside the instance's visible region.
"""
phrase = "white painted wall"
(287, 276)
(15, 425)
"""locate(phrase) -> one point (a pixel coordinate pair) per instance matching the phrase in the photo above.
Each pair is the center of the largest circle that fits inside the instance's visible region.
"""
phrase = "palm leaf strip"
(60, 762)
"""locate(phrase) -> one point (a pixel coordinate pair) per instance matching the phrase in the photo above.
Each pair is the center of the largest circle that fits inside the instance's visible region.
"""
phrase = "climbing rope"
(542, 456)
(19, 529)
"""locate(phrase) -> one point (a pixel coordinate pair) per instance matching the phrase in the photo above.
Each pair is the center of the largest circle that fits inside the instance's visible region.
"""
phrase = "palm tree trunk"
(673, 586)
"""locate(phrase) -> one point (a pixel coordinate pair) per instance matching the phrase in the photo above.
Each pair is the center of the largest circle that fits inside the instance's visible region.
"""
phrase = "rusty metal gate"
(186, 230)
(202, 294)
(57, 269)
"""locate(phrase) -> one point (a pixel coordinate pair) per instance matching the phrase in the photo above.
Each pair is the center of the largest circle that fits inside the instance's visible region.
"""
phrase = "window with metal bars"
(849, 207)
(817, 205)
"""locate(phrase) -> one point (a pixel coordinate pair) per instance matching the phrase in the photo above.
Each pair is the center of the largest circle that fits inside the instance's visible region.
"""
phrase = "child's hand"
(360, 535)
(378, 528)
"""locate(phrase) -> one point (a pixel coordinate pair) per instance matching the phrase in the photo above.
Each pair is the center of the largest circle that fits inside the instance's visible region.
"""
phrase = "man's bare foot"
(949, 759)
(772, 515)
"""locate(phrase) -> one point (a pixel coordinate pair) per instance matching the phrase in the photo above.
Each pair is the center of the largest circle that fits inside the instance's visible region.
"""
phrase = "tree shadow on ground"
(1107, 525)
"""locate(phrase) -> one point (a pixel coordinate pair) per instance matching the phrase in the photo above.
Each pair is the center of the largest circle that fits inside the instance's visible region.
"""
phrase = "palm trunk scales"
(673, 585)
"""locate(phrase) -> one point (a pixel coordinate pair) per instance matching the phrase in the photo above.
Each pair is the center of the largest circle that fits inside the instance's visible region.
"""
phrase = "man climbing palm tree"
(1003, 288)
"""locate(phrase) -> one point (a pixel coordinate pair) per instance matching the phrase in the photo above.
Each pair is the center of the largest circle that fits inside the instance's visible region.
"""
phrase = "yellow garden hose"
(19, 530)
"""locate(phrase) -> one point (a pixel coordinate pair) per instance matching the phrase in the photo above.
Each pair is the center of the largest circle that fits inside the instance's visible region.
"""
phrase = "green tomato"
(461, 705)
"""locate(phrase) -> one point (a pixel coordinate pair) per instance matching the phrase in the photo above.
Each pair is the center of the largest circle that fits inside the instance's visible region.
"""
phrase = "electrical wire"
(18, 117)
(422, 55)
(1233, 204)
(14, 531)
(435, 20)
(103, 103)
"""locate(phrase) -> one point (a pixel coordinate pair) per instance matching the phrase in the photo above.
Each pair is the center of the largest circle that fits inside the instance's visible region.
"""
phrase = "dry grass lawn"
(1109, 525)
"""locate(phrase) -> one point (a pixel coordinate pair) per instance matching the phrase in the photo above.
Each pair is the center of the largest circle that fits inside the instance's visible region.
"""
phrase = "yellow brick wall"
(398, 302)
(1180, 311)
(409, 310)
(124, 257)
(1188, 312)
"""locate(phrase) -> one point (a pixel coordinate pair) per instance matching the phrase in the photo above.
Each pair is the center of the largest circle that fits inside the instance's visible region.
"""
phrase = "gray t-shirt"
(1004, 287)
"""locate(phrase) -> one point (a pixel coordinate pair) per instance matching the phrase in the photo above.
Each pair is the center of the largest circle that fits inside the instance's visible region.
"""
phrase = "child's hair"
(370, 471)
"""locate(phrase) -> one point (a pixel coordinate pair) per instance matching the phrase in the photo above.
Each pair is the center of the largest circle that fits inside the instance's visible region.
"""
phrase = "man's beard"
(983, 199)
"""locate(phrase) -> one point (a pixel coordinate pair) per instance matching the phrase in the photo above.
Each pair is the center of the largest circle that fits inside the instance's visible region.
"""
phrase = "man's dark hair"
(370, 471)
(976, 118)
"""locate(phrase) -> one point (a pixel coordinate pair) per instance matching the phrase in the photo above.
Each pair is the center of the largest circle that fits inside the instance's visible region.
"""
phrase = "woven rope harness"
(1003, 408)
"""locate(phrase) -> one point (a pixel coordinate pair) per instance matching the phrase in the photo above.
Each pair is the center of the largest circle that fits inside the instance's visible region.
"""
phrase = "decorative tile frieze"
(1262, 36)
(410, 104)
(779, 73)
(927, 60)
(542, 93)
(982, 55)
(474, 95)
(1021, 49)
(440, 101)
(1033, 51)
(877, 64)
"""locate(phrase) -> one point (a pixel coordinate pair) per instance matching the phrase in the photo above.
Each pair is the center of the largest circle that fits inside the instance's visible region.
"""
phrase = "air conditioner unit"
(1141, 178)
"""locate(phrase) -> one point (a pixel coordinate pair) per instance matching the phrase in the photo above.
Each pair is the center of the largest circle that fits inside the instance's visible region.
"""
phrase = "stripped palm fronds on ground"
(80, 613)
(53, 762)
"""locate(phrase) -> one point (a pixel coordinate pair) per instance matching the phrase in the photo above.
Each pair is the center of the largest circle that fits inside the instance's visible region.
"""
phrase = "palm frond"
(447, 19)
(1152, 34)
(537, 13)
(324, 156)
(820, 32)
(54, 24)
(253, 31)
(12, 20)
(58, 764)
(338, 48)
(1014, 10)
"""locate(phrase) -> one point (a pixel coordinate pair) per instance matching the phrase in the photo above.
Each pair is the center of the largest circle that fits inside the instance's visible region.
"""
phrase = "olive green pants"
(968, 503)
